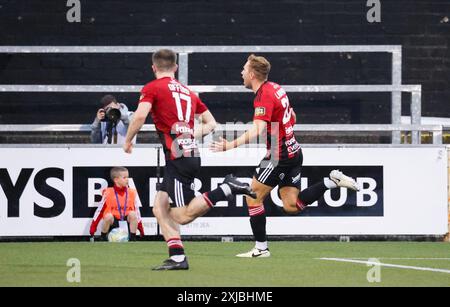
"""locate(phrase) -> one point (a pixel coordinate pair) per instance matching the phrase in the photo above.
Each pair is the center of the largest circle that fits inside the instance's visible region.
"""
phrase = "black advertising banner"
(339, 202)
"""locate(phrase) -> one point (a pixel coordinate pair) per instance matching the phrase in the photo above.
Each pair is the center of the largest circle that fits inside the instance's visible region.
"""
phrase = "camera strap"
(115, 134)
(109, 130)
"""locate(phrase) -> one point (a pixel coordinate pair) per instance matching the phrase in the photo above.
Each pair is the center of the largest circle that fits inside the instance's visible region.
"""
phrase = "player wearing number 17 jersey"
(283, 162)
(173, 110)
(173, 106)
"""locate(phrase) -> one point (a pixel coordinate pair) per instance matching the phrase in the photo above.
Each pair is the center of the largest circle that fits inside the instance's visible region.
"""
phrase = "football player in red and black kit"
(283, 161)
(173, 106)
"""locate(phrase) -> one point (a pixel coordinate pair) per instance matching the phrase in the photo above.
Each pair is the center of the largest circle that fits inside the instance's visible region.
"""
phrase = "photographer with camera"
(111, 123)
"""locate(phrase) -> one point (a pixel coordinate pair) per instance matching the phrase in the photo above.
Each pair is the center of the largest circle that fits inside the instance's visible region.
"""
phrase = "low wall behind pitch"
(54, 191)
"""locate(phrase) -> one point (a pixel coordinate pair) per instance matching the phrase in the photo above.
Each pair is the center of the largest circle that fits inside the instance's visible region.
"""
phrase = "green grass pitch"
(292, 263)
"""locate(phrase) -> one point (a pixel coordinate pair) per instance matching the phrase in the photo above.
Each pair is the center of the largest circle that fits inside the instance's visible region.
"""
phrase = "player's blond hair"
(164, 59)
(260, 66)
(115, 172)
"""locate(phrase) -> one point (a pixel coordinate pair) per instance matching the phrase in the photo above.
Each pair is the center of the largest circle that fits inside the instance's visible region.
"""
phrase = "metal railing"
(395, 88)
(436, 130)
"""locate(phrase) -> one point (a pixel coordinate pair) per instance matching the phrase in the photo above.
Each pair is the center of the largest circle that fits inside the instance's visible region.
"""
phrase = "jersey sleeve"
(200, 106)
(263, 108)
(98, 215)
(148, 93)
(137, 205)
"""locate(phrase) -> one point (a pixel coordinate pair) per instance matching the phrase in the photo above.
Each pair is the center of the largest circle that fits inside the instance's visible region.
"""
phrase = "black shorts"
(285, 173)
(179, 178)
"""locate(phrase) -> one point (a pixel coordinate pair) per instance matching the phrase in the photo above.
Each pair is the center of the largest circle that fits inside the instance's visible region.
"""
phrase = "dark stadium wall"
(421, 27)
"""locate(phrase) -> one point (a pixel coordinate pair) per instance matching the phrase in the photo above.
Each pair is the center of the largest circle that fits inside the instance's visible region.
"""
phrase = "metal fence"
(395, 88)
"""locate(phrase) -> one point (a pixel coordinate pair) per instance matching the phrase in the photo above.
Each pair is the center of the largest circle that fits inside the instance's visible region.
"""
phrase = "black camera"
(112, 115)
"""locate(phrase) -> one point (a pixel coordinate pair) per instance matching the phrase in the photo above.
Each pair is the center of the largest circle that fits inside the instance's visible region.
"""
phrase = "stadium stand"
(420, 28)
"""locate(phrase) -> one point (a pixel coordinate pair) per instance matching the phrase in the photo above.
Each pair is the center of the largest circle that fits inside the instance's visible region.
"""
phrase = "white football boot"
(255, 253)
(344, 181)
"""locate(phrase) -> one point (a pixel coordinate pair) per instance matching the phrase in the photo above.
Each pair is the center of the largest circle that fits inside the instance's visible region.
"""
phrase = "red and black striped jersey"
(173, 109)
(272, 105)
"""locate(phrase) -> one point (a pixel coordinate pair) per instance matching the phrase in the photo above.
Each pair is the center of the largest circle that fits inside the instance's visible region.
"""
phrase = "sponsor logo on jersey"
(291, 141)
(294, 148)
(289, 130)
(260, 111)
(183, 129)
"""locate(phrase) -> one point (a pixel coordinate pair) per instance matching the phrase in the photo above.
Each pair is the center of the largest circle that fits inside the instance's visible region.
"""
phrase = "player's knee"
(108, 218)
(261, 194)
(156, 211)
(254, 202)
(132, 217)
(290, 207)
(257, 189)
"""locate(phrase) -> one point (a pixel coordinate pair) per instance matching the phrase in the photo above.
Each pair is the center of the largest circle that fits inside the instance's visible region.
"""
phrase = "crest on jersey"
(260, 111)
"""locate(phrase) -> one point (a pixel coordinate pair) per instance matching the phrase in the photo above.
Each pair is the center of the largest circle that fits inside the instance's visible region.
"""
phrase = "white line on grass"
(397, 258)
(387, 265)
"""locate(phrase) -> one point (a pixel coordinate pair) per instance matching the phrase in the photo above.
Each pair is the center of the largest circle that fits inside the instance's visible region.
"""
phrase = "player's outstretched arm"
(207, 125)
(223, 145)
(136, 124)
(294, 115)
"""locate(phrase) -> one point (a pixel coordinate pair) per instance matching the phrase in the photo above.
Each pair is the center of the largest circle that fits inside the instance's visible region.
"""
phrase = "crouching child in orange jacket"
(119, 203)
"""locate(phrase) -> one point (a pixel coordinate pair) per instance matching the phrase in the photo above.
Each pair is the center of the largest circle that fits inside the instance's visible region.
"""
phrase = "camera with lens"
(112, 115)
